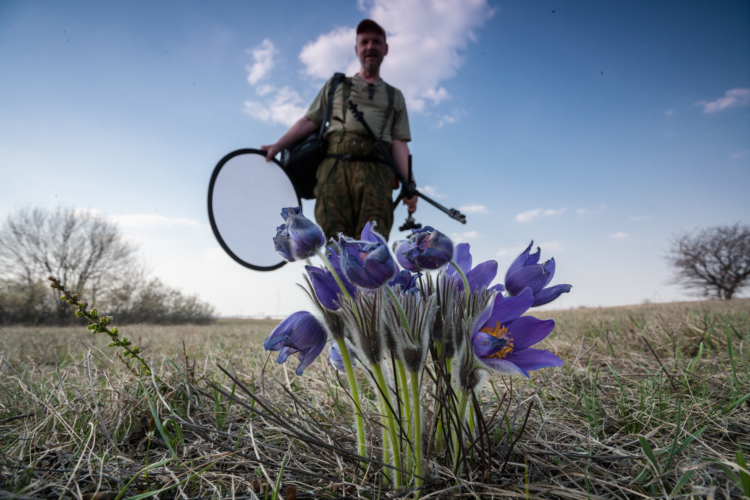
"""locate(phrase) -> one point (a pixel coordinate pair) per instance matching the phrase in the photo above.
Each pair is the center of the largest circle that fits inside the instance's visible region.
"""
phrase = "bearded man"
(354, 184)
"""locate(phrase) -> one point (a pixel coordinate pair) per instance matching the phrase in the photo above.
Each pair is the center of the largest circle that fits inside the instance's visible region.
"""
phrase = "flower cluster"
(395, 313)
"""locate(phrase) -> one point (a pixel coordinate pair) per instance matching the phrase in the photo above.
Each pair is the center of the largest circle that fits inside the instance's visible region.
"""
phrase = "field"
(654, 401)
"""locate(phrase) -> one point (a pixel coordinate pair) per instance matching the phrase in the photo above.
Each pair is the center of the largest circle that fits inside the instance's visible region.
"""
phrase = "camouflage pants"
(351, 193)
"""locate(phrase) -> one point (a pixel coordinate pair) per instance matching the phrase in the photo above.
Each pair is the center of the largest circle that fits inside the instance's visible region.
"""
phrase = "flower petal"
(481, 276)
(528, 330)
(308, 356)
(519, 262)
(549, 266)
(325, 286)
(284, 353)
(462, 257)
(307, 333)
(534, 277)
(509, 309)
(547, 295)
(533, 359)
(282, 331)
(503, 366)
(370, 236)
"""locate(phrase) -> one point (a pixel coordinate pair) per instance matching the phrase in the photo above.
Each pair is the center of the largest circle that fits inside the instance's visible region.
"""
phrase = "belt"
(351, 157)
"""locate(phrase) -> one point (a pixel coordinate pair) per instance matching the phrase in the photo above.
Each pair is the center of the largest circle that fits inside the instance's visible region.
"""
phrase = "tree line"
(89, 254)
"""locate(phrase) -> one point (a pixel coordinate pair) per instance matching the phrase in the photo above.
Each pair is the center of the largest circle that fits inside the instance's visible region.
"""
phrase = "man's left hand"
(411, 203)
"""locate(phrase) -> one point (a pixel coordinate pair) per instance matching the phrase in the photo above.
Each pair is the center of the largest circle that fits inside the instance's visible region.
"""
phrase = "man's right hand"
(271, 151)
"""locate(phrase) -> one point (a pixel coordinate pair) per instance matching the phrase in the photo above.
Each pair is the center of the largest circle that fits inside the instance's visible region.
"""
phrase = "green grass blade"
(649, 453)
(683, 480)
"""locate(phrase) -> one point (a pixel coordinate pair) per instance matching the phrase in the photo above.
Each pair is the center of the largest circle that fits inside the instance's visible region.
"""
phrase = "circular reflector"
(245, 198)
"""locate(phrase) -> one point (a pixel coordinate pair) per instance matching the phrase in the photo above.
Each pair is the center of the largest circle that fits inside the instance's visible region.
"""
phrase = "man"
(352, 192)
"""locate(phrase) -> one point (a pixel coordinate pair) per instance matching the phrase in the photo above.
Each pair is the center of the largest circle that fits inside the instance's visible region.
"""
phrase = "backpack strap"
(346, 92)
(337, 78)
(389, 110)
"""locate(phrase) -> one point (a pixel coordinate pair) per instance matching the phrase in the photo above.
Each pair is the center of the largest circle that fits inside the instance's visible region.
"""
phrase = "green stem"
(360, 421)
(406, 408)
(466, 285)
(401, 312)
(462, 400)
(471, 420)
(361, 438)
(417, 429)
(334, 273)
(391, 422)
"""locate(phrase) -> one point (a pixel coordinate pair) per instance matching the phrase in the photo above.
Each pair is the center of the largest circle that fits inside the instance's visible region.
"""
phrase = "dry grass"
(74, 421)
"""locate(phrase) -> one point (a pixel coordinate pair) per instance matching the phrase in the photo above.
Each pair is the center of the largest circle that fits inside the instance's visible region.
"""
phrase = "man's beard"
(372, 65)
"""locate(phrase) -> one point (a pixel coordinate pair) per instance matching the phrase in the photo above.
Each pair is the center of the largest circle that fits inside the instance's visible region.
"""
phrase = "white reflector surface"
(248, 195)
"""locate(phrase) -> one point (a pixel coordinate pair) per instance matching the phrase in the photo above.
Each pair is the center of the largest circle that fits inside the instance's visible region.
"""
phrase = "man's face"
(370, 49)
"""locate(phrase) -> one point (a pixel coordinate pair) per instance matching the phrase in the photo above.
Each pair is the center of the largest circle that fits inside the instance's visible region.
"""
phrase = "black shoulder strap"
(337, 78)
(391, 98)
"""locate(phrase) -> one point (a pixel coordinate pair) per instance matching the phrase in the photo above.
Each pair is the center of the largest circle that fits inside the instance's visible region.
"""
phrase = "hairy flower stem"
(462, 400)
(402, 380)
(417, 429)
(359, 419)
(334, 273)
(390, 422)
(406, 408)
(466, 285)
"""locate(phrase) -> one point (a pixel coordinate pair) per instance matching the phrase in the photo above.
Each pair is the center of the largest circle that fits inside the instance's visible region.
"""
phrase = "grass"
(654, 401)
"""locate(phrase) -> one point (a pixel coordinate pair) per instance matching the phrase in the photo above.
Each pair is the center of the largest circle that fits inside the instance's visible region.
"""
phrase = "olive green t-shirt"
(373, 110)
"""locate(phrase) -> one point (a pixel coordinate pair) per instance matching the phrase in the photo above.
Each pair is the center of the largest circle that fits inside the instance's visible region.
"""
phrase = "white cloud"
(618, 236)
(140, 221)
(552, 247)
(451, 118)
(669, 112)
(462, 237)
(639, 217)
(732, 98)
(473, 209)
(263, 57)
(582, 211)
(431, 191)
(285, 107)
(331, 52)
(262, 90)
(424, 40)
(739, 154)
(530, 215)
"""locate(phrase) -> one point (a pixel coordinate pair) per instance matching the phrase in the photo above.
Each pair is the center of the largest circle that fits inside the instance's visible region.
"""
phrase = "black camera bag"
(301, 160)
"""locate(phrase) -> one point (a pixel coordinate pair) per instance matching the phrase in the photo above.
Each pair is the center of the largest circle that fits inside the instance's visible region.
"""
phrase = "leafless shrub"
(89, 254)
(714, 261)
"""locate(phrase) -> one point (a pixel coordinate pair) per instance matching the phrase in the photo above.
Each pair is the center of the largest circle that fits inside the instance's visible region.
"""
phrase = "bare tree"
(83, 249)
(714, 261)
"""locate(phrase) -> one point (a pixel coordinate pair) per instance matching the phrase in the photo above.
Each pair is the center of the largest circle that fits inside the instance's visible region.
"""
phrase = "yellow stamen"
(500, 332)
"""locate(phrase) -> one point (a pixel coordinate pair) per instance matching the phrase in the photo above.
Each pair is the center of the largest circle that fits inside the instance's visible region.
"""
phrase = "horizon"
(598, 130)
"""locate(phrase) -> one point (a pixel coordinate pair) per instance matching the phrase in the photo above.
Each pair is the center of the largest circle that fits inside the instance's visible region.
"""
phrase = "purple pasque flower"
(298, 238)
(301, 334)
(406, 280)
(325, 285)
(367, 263)
(426, 248)
(502, 339)
(526, 272)
(337, 361)
(479, 276)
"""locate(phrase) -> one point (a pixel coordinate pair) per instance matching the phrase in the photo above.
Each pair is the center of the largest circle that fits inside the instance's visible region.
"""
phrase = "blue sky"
(598, 130)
